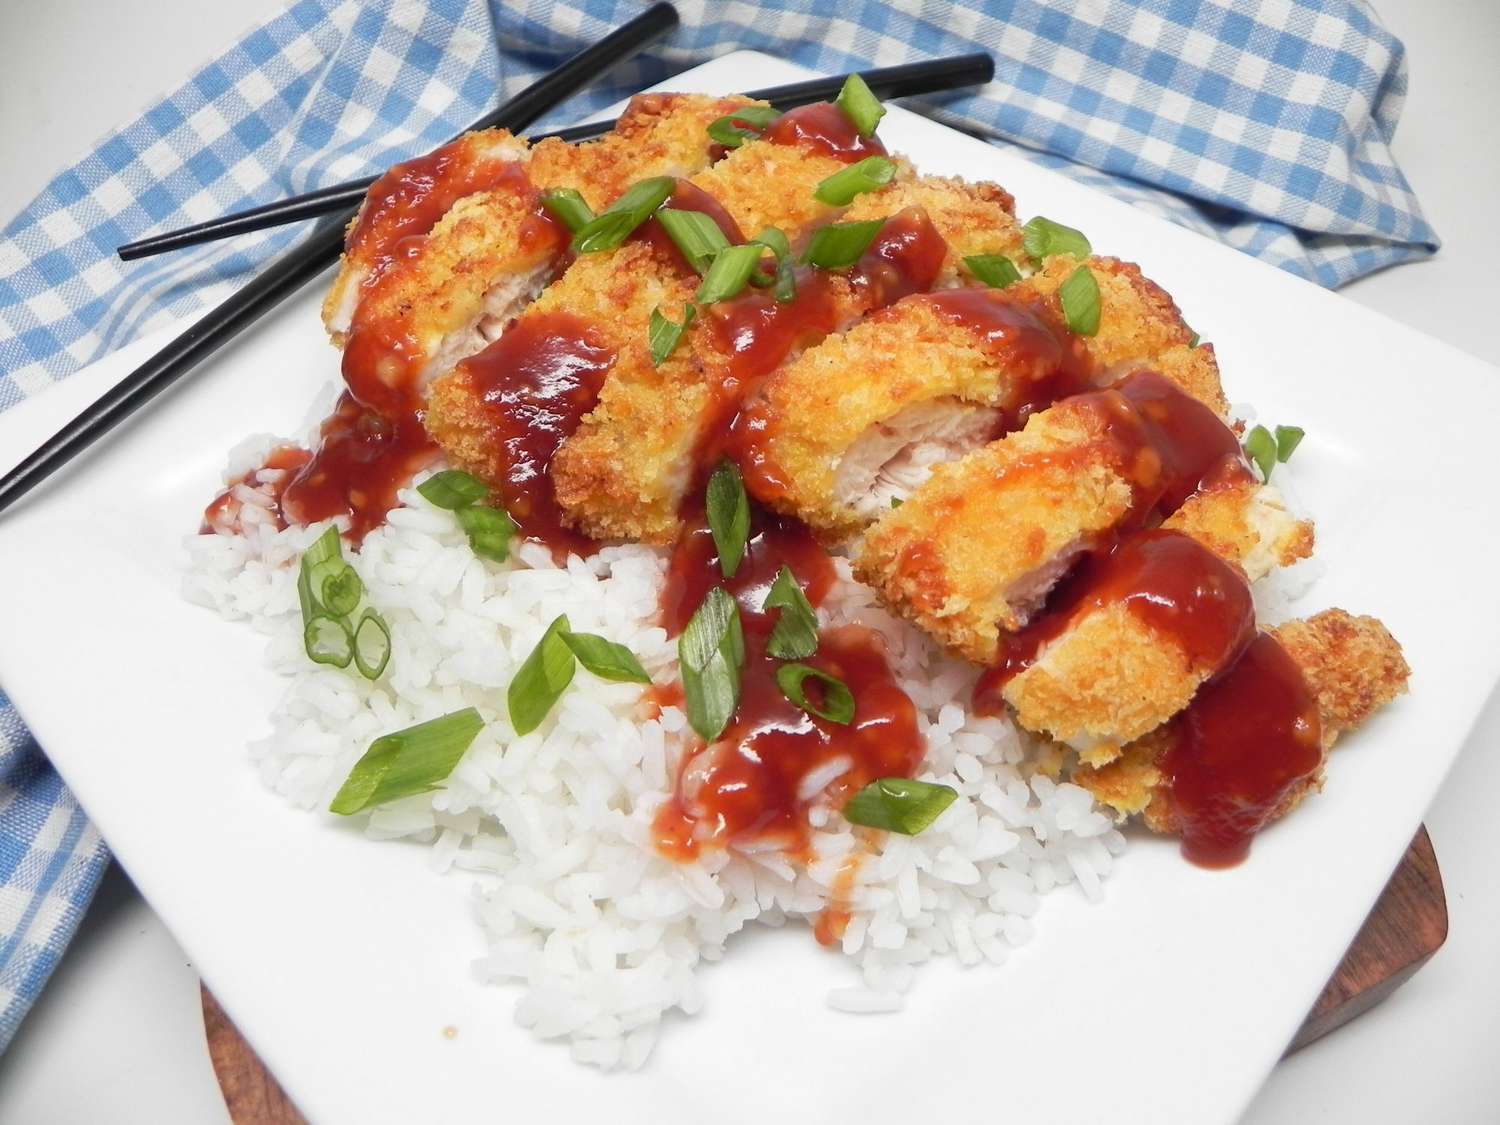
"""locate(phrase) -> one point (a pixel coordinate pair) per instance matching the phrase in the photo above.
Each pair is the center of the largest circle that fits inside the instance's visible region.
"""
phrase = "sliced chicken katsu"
(972, 553)
(587, 341)
(1253, 742)
(451, 290)
(626, 471)
(834, 437)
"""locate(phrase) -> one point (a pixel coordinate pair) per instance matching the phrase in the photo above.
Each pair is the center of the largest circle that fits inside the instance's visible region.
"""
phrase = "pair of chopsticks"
(297, 266)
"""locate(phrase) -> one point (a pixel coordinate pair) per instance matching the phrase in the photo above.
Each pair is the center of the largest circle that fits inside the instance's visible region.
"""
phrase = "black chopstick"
(296, 267)
(927, 77)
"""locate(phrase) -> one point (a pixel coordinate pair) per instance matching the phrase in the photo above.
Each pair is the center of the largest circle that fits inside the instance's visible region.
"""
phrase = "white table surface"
(118, 1036)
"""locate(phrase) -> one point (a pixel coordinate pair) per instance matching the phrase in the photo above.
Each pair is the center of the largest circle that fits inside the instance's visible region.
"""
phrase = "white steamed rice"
(601, 935)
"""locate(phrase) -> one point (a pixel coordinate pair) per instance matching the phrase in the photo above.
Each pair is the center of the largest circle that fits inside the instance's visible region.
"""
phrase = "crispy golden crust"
(614, 293)
(973, 218)
(657, 135)
(769, 185)
(969, 552)
(492, 149)
(1353, 665)
(1247, 523)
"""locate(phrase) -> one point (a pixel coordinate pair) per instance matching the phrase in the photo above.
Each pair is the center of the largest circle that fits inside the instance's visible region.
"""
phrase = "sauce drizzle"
(823, 128)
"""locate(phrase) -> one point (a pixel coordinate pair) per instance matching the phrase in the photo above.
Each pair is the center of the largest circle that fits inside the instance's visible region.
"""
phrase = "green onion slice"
(742, 125)
(841, 188)
(860, 105)
(324, 548)
(728, 516)
(786, 281)
(1260, 447)
(452, 489)
(729, 273)
(896, 502)
(327, 640)
(372, 644)
(795, 636)
(489, 530)
(696, 235)
(341, 591)
(632, 209)
(542, 678)
(1288, 438)
(839, 245)
(774, 240)
(1080, 301)
(606, 659)
(995, 270)
(711, 655)
(838, 700)
(568, 206)
(1043, 238)
(899, 804)
(1193, 343)
(408, 762)
(664, 335)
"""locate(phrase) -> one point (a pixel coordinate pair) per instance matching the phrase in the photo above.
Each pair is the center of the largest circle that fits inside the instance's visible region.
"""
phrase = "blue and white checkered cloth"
(1264, 123)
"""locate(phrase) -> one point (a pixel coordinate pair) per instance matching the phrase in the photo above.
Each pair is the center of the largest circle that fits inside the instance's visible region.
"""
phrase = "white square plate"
(342, 960)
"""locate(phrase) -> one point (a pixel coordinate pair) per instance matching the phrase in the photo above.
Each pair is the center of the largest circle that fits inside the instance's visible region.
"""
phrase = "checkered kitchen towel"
(1264, 123)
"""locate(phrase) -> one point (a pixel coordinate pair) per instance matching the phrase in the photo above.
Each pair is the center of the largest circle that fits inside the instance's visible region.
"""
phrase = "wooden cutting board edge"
(1407, 925)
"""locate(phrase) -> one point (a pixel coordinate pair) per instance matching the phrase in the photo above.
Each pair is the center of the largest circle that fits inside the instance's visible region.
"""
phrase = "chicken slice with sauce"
(602, 305)
(1352, 666)
(834, 437)
(627, 470)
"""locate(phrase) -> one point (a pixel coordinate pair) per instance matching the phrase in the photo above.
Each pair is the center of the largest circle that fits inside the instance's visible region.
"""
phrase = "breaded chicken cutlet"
(626, 471)
(1353, 667)
(442, 259)
(861, 420)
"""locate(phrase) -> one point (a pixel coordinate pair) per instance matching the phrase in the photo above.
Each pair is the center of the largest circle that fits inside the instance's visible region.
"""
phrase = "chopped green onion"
(341, 591)
(606, 659)
(372, 644)
(775, 241)
(452, 489)
(696, 235)
(728, 516)
(839, 245)
(542, 678)
(896, 502)
(1080, 301)
(1260, 446)
(1043, 238)
(664, 335)
(325, 547)
(1288, 438)
(841, 188)
(408, 762)
(1193, 343)
(995, 270)
(860, 105)
(899, 804)
(742, 125)
(489, 531)
(729, 273)
(838, 700)
(786, 281)
(318, 575)
(327, 640)
(632, 209)
(795, 636)
(568, 206)
(711, 655)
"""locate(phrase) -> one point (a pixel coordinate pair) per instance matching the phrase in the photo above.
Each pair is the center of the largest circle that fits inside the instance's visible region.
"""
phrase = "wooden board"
(1407, 926)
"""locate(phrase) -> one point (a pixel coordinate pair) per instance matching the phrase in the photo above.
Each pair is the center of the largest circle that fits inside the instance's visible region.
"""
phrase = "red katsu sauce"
(1042, 359)
(223, 510)
(406, 202)
(1247, 740)
(825, 129)
(1167, 579)
(1195, 447)
(364, 458)
(744, 789)
(537, 381)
